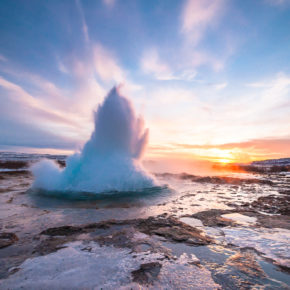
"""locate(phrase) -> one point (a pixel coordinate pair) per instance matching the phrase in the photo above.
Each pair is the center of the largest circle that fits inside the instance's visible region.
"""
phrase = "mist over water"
(109, 161)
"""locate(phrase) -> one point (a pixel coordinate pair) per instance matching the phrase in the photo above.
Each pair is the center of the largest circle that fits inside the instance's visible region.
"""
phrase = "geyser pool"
(111, 158)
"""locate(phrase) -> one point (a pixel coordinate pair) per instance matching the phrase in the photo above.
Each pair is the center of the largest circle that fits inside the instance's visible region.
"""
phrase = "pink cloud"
(3, 58)
(255, 149)
(152, 64)
(106, 65)
(83, 20)
(198, 16)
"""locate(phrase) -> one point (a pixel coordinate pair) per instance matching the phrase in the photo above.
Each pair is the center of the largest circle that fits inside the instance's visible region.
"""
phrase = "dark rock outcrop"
(173, 230)
(147, 273)
(7, 239)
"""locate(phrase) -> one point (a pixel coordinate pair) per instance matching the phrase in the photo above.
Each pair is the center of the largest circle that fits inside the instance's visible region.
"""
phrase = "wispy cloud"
(109, 70)
(47, 91)
(62, 68)
(64, 112)
(221, 86)
(172, 96)
(261, 144)
(3, 58)
(152, 64)
(83, 20)
(200, 58)
(277, 2)
(176, 54)
(208, 116)
(40, 107)
(19, 133)
(198, 16)
(245, 151)
(279, 82)
(107, 66)
(258, 113)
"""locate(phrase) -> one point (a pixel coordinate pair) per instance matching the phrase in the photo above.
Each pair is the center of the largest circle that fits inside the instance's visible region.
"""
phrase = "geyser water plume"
(109, 161)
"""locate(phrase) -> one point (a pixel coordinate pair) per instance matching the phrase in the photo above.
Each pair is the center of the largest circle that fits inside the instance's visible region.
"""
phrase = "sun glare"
(224, 161)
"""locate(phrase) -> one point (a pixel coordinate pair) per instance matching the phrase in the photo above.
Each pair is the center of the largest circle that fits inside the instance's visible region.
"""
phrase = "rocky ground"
(196, 232)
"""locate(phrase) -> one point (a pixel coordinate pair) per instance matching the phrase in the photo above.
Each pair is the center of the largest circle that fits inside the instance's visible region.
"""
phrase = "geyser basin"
(109, 161)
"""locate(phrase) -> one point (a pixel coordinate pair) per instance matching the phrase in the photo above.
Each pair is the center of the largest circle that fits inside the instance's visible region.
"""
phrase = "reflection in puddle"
(240, 219)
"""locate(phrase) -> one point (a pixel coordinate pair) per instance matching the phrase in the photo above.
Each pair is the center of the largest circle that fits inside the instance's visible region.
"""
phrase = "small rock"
(7, 239)
(147, 273)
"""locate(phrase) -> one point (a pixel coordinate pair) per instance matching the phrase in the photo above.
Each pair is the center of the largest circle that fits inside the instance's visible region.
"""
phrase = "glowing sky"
(210, 77)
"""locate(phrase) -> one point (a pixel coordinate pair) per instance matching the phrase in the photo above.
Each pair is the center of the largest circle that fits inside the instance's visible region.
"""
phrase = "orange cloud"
(251, 150)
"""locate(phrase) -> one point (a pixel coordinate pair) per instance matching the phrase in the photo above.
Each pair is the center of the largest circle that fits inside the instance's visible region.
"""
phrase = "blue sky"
(211, 78)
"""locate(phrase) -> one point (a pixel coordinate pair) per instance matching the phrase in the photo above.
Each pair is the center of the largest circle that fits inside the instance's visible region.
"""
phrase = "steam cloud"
(109, 161)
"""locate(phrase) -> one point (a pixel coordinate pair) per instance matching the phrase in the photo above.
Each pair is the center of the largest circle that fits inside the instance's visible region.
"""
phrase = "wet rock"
(147, 273)
(253, 168)
(61, 163)
(125, 236)
(13, 270)
(120, 239)
(173, 229)
(15, 173)
(62, 231)
(284, 269)
(233, 180)
(58, 236)
(51, 245)
(7, 239)
(272, 204)
(131, 238)
(218, 179)
(10, 200)
(124, 205)
(72, 230)
(212, 218)
(9, 164)
(270, 221)
(287, 192)
(246, 263)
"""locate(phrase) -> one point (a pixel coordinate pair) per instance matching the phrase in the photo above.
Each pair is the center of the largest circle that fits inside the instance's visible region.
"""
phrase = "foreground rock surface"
(197, 233)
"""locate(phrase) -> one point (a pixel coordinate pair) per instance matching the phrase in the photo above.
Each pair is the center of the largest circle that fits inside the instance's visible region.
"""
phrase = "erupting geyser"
(109, 161)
